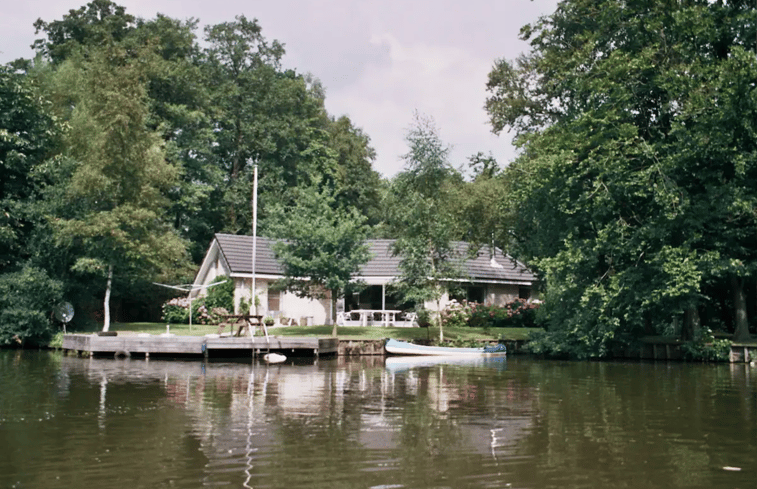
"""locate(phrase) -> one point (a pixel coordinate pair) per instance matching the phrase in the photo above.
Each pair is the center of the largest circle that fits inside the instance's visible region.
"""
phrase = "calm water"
(72, 422)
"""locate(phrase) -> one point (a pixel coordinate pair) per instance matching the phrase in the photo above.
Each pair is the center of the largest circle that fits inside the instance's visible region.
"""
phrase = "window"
(274, 299)
(524, 292)
(469, 293)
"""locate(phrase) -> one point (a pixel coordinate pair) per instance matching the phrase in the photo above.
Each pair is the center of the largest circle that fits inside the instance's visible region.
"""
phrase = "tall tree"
(323, 244)
(358, 184)
(261, 114)
(480, 205)
(422, 218)
(95, 24)
(117, 189)
(28, 135)
(177, 93)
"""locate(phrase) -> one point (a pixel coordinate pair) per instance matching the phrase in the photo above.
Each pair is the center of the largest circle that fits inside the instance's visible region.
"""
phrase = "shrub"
(423, 317)
(176, 311)
(456, 314)
(221, 295)
(707, 350)
(27, 298)
(518, 313)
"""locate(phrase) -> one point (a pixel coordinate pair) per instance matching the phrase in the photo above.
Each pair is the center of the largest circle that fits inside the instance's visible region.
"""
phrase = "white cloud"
(379, 61)
(446, 83)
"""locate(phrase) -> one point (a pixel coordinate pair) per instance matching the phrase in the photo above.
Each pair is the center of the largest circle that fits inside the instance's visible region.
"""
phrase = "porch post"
(383, 304)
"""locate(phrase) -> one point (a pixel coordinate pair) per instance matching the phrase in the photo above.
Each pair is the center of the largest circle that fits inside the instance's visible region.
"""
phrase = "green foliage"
(323, 243)
(27, 133)
(119, 184)
(175, 313)
(421, 215)
(27, 299)
(221, 295)
(160, 135)
(423, 317)
(246, 305)
(99, 22)
(357, 183)
(706, 348)
(634, 190)
(713, 351)
(57, 341)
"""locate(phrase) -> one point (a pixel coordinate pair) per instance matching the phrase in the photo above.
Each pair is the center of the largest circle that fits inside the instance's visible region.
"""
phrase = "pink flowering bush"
(176, 311)
(519, 313)
(456, 314)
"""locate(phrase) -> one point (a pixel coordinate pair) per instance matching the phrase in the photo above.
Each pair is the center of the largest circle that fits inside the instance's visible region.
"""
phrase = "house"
(491, 277)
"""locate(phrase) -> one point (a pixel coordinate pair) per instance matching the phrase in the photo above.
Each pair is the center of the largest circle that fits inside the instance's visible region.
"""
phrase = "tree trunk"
(106, 302)
(333, 312)
(741, 332)
(439, 319)
(692, 324)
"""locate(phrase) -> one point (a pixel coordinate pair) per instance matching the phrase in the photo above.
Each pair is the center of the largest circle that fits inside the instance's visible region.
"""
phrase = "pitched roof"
(237, 250)
(483, 267)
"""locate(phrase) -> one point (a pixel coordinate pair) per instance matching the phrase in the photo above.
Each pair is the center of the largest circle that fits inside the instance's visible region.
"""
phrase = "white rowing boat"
(396, 347)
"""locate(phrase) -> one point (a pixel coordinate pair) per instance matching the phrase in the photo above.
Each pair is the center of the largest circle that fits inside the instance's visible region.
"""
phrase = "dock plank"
(193, 345)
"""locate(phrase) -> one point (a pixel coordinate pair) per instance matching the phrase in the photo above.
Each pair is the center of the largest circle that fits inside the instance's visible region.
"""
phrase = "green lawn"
(344, 332)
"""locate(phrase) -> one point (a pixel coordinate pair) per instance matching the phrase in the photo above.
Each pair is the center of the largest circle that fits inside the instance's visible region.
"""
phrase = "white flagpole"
(254, 236)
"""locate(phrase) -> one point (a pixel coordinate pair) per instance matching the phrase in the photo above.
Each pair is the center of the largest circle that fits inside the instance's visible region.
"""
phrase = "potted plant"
(268, 321)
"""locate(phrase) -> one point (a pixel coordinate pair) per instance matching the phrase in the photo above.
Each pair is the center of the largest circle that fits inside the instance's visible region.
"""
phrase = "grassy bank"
(344, 332)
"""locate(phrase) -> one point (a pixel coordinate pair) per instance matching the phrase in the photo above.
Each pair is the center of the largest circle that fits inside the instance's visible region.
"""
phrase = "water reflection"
(374, 423)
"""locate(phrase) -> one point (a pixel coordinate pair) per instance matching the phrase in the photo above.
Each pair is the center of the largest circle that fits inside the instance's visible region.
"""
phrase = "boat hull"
(396, 347)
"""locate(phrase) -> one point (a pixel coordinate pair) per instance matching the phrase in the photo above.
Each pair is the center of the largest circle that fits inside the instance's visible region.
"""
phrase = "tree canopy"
(126, 141)
(421, 216)
(323, 244)
(634, 189)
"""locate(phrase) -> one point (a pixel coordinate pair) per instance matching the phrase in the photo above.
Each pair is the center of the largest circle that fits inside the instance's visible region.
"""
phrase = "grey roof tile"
(237, 250)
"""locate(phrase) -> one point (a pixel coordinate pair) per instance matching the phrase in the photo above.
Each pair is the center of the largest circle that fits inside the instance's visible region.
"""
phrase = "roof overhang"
(257, 275)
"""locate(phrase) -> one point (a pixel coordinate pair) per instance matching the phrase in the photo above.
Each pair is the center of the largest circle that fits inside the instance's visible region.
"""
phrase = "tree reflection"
(331, 423)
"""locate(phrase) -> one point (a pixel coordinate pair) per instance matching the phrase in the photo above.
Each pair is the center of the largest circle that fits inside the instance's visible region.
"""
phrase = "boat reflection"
(396, 364)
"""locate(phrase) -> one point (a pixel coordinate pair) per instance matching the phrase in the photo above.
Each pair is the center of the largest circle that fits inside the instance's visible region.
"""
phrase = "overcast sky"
(379, 61)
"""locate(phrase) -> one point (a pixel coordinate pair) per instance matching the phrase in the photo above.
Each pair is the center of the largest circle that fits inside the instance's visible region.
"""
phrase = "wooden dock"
(146, 345)
(743, 352)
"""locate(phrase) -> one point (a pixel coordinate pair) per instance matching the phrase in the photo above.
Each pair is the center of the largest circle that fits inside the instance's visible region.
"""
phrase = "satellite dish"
(64, 312)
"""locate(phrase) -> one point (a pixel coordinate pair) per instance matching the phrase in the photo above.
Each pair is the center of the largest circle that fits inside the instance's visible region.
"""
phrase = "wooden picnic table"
(245, 321)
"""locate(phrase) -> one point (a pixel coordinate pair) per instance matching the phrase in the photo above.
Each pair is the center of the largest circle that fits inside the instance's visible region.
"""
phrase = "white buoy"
(274, 358)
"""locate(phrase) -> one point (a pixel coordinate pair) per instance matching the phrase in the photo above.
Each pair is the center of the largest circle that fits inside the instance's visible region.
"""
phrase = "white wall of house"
(293, 307)
(214, 271)
(290, 306)
(300, 307)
